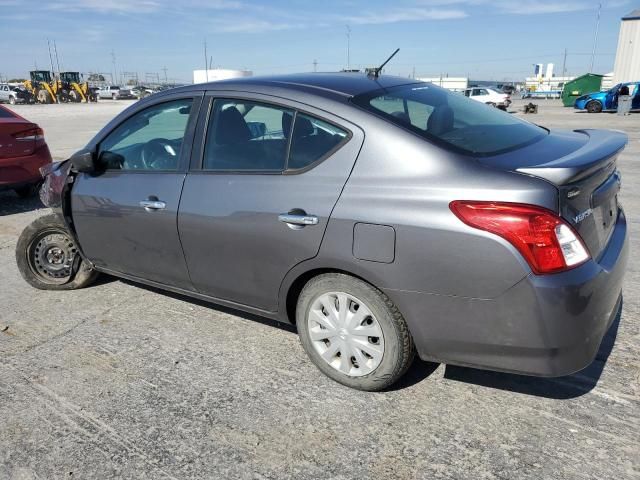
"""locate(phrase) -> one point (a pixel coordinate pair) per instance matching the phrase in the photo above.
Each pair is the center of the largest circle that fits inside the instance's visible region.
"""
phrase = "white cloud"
(526, 7)
(414, 14)
(144, 6)
(252, 26)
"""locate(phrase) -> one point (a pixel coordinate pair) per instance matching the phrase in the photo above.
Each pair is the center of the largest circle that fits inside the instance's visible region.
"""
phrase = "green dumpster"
(579, 86)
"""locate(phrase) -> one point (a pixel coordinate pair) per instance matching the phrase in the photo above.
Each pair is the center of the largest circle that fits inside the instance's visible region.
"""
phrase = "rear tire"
(363, 323)
(48, 258)
(43, 97)
(594, 107)
(12, 100)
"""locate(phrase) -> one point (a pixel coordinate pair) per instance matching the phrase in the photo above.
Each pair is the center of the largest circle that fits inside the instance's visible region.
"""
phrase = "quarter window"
(149, 140)
(312, 139)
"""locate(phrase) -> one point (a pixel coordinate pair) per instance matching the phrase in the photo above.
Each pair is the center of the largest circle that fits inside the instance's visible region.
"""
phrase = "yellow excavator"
(42, 87)
(74, 90)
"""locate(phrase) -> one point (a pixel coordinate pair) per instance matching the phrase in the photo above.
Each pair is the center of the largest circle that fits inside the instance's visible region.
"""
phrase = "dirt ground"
(122, 381)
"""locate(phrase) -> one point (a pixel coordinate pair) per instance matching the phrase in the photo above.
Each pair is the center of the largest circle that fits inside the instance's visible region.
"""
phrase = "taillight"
(31, 134)
(545, 240)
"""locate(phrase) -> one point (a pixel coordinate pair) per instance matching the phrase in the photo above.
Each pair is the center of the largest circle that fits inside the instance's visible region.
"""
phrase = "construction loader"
(74, 90)
(43, 88)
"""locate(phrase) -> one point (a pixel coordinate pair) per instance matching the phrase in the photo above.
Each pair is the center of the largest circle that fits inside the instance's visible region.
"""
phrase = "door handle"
(152, 205)
(299, 220)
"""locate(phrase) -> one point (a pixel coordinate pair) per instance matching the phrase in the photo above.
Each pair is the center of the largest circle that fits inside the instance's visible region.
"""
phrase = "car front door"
(611, 98)
(634, 90)
(125, 215)
(4, 93)
(259, 198)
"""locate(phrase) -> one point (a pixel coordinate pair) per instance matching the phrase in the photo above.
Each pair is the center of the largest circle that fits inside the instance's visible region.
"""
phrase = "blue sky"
(483, 39)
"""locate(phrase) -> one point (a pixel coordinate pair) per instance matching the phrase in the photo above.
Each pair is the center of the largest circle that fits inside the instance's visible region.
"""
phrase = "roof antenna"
(375, 72)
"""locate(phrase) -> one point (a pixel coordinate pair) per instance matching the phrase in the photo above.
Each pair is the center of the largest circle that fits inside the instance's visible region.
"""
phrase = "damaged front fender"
(56, 178)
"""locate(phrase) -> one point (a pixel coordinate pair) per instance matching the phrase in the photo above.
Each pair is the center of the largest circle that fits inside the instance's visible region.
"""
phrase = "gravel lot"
(121, 381)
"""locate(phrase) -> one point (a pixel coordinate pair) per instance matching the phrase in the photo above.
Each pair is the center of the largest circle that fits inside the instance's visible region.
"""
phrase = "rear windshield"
(450, 119)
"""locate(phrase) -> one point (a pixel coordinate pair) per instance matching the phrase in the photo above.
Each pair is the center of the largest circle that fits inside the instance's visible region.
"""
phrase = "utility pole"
(348, 47)
(164, 69)
(315, 65)
(55, 49)
(564, 64)
(595, 38)
(115, 72)
(206, 66)
(50, 57)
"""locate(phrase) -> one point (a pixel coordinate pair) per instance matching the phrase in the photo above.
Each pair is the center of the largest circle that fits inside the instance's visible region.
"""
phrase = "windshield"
(41, 76)
(70, 77)
(450, 119)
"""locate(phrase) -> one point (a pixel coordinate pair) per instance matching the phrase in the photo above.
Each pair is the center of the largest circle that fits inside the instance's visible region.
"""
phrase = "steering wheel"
(157, 153)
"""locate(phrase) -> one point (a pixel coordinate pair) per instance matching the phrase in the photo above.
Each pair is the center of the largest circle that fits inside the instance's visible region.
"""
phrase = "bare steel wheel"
(48, 257)
(51, 255)
(353, 332)
(345, 333)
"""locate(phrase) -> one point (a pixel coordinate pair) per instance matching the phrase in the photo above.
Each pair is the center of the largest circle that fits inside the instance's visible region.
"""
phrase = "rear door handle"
(298, 219)
(152, 205)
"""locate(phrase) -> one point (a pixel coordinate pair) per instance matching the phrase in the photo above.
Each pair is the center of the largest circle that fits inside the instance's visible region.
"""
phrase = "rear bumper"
(548, 325)
(19, 171)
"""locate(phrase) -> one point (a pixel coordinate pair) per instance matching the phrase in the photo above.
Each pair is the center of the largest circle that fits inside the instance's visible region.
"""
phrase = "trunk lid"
(582, 165)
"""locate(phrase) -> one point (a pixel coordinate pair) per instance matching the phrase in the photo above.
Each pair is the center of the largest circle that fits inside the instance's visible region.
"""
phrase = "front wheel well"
(298, 284)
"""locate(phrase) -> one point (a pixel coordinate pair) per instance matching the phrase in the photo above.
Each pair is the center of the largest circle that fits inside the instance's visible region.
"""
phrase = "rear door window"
(246, 136)
(255, 137)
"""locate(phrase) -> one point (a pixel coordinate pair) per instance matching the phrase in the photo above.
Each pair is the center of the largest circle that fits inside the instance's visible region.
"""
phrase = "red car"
(22, 152)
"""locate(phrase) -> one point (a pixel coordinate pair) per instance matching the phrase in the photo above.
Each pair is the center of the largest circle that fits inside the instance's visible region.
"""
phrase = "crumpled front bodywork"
(56, 178)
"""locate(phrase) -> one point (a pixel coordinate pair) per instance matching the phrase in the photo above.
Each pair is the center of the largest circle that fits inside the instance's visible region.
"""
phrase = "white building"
(627, 66)
(451, 83)
(213, 75)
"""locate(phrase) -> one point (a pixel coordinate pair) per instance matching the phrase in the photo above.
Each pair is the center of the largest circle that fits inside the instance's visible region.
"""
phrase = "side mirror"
(83, 161)
(110, 160)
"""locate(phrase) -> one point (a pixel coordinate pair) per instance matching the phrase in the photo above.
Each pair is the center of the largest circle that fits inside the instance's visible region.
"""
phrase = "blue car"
(608, 100)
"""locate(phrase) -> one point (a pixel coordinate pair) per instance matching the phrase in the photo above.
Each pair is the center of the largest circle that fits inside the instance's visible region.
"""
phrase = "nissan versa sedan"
(381, 216)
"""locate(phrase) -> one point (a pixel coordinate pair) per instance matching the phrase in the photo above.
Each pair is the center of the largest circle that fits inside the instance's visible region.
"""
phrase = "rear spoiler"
(596, 154)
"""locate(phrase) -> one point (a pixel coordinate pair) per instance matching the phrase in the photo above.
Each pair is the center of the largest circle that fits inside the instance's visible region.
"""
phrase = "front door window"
(149, 140)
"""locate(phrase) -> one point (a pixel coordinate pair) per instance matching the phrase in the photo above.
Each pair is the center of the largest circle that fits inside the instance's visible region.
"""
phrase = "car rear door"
(126, 215)
(260, 194)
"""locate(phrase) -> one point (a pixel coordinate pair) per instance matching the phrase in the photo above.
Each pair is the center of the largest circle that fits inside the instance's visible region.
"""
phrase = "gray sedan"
(382, 216)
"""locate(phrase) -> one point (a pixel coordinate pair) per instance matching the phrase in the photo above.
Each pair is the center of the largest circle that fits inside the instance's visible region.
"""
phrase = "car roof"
(339, 84)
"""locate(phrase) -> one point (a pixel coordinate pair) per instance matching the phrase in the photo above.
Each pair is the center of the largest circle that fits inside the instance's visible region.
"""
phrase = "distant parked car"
(140, 91)
(608, 100)
(115, 92)
(13, 95)
(488, 96)
(22, 152)
(380, 215)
